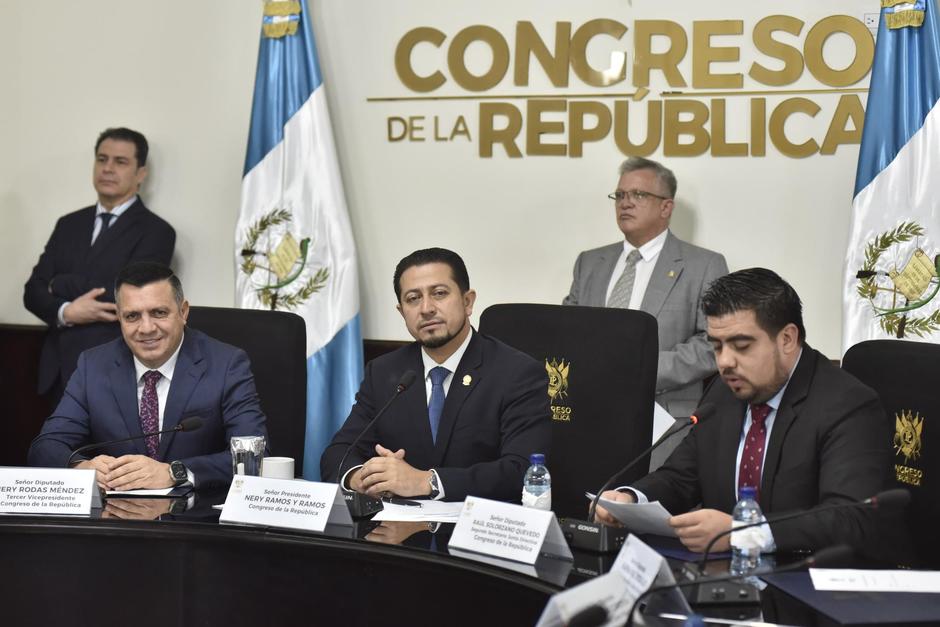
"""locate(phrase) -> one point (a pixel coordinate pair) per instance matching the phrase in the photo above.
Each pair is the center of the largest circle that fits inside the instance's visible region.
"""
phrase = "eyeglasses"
(635, 196)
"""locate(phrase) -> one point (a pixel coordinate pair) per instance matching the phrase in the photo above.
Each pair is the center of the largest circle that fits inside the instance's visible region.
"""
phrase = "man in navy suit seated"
(475, 413)
(158, 373)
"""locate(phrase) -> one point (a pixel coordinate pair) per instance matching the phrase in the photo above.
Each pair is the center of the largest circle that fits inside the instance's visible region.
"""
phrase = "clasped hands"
(694, 529)
(129, 472)
(389, 473)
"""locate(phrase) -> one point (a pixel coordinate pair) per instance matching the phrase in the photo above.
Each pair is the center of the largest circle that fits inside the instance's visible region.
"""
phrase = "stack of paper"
(424, 511)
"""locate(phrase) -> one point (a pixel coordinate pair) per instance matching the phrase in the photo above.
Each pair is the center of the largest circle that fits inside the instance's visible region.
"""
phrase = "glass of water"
(247, 455)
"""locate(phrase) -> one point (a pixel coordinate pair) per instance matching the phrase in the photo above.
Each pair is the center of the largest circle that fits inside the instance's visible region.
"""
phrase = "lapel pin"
(467, 379)
(671, 274)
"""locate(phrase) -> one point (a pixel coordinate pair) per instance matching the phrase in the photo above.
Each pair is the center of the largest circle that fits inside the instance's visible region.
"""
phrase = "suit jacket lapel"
(465, 379)
(190, 368)
(727, 454)
(597, 286)
(415, 412)
(126, 222)
(123, 378)
(796, 392)
(665, 275)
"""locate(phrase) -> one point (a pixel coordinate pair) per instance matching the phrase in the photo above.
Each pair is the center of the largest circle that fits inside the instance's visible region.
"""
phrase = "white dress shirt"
(649, 253)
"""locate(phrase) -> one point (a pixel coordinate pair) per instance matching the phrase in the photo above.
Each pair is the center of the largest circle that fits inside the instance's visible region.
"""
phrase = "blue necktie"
(436, 406)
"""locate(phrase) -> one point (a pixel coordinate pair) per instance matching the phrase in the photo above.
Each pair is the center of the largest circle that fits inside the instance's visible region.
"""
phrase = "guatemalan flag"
(294, 248)
(891, 285)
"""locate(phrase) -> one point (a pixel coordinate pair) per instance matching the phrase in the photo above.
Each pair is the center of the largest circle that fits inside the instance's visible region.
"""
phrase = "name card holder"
(637, 568)
(287, 503)
(507, 531)
(54, 491)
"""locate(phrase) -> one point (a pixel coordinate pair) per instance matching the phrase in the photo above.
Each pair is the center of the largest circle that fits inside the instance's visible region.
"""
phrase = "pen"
(397, 501)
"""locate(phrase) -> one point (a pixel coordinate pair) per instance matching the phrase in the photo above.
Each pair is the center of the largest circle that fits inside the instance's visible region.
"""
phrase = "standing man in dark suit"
(802, 431)
(147, 381)
(654, 271)
(70, 288)
(468, 424)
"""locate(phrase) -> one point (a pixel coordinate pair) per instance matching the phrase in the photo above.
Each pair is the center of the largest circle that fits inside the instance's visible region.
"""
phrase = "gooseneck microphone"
(601, 538)
(822, 558)
(186, 424)
(897, 497)
(361, 504)
(705, 411)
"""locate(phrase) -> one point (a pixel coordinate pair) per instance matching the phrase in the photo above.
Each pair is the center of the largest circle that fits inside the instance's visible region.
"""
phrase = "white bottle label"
(543, 501)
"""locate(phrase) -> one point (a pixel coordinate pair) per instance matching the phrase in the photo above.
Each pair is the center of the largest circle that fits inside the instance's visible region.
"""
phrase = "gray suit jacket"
(680, 277)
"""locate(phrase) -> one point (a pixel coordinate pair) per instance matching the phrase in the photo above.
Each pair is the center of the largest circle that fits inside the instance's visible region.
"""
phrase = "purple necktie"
(150, 411)
(752, 458)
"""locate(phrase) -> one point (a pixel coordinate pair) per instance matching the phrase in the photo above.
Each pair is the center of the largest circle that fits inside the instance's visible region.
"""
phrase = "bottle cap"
(537, 458)
(747, 492)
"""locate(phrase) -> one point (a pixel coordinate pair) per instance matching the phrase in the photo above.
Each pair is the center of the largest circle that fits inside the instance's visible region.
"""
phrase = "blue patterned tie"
(436, 405)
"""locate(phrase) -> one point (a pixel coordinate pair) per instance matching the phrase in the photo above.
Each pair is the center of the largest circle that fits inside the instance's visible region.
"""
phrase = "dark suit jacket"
(681, 275)
(495, 415)
(211, 380)
(830, 443)
(70, 266)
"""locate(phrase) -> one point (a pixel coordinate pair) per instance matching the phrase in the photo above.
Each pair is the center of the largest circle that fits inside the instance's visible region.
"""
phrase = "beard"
(437, 342)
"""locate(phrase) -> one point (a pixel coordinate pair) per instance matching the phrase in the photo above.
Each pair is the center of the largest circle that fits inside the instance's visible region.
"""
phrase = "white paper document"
(640, 517)
(157, 492)
(427, 511)
(850, 580)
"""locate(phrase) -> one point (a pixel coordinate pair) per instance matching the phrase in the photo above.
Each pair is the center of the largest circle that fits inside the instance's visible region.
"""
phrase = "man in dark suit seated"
(475, 413)
(70, 288)
(802, 431)
(149, 380)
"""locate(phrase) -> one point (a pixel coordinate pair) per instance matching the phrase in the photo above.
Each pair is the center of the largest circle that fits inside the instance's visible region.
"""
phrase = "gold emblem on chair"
(558, 387)
(908, 439)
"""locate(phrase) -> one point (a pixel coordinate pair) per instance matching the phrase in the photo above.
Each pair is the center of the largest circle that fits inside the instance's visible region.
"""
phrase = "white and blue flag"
(891, 283)
(294, 249)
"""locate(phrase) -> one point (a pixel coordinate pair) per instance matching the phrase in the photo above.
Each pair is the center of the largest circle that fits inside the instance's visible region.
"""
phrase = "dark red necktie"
(150, 411)
(752, 458)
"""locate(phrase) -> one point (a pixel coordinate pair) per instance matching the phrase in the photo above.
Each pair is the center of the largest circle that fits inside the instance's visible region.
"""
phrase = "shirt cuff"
(440, 486)
(639, 496)
(61, 314)
(343, 480)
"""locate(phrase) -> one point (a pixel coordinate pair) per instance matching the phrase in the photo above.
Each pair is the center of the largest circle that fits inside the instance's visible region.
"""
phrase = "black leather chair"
(905, 375)
(602, 379)
(276, 343)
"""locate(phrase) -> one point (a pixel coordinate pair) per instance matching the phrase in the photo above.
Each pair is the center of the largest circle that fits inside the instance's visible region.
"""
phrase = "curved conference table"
(185, 568)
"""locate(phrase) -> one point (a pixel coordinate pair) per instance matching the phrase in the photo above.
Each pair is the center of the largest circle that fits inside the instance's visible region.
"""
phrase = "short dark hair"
(141, 273)
(127, 135)
(458, 270)
(774, 302)
(666, 176)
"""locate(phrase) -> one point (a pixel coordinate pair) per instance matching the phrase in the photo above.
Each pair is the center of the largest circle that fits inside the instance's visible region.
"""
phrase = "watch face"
(179, 471)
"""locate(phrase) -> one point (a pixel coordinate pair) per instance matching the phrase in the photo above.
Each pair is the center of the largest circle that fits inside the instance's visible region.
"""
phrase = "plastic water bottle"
(537, 485)
(746, 544)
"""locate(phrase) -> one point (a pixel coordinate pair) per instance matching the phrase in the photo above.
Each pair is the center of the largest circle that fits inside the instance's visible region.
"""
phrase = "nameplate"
(58, 491)
(637, 568)
(288, 503)
(508, 531)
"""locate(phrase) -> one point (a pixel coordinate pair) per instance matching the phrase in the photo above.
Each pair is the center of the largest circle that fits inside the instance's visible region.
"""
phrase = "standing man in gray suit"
(654, 271)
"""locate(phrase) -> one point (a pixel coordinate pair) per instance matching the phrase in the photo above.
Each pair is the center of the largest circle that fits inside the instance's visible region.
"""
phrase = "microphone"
(361, 504)
(822, 558)
(603, 538)
(897, 497)
(190, 423)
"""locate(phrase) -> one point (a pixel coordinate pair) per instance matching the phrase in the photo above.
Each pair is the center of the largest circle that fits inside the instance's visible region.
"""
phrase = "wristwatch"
(435, 486)
(178, 473)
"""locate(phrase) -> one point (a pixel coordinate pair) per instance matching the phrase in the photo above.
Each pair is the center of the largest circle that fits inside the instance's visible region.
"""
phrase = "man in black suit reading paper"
(802, 431)
(476, 411)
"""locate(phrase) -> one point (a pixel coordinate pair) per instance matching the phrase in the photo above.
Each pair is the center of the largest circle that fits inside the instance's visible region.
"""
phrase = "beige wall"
(183, 72)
